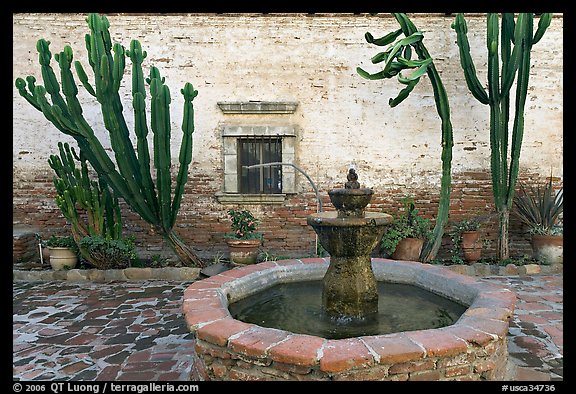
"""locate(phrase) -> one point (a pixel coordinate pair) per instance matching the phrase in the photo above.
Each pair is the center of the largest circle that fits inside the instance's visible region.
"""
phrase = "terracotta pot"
(408, 249)
(548, 249)
(471, 246)
(243, 251)
(62, 258)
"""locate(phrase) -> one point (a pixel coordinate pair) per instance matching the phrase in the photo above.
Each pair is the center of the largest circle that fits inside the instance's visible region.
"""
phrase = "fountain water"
(468, 346)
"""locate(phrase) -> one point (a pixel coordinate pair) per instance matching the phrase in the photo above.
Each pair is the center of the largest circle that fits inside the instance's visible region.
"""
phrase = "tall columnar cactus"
(398, 57)
(504, 62)
(89, 206)
(132, 180)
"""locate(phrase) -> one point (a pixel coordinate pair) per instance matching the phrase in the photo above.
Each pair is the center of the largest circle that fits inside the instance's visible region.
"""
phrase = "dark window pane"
(264, 180)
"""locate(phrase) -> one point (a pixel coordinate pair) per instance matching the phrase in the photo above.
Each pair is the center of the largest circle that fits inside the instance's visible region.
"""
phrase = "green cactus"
(89, 206)
(502, 70)
(132, 178)
(398, 57)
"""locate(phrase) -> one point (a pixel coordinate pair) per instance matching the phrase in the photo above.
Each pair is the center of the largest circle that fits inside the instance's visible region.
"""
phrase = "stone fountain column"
(350, 235)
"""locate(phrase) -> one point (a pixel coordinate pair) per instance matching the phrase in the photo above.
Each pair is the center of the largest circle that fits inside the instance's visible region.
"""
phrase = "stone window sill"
(264, 199)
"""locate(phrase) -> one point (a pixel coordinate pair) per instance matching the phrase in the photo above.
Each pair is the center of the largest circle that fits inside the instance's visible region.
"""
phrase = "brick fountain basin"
(473, 348)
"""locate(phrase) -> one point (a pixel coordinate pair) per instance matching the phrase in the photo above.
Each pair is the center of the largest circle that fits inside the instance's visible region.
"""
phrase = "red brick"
(219, 331)
(193, 306)
(438, 342)
(394, 348)
(297, 349)
(193, 319)
(490, 313)
(496, 327)
(424, 376)
(411, 366)
(256, 341)
(343, 354)
(470, 335)
(457, 370)
(214, 351)
(484, 366)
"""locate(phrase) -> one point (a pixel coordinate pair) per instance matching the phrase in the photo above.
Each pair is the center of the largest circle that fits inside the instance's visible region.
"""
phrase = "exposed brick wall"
(202, 221)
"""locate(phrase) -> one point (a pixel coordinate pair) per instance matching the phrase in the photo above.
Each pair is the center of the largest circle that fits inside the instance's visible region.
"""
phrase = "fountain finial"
(352, 180)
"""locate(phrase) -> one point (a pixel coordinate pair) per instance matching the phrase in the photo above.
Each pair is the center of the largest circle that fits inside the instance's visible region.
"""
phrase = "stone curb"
(96, 275)
(188, 273)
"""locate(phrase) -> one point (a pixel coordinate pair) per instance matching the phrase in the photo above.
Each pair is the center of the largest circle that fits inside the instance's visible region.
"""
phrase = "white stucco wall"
(341, 118)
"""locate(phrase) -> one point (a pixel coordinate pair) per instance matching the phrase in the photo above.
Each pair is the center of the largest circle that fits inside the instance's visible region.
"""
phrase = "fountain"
(349, 236)
(262, 322)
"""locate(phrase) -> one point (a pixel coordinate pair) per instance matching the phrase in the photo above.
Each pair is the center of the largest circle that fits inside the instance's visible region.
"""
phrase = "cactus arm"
(498, 155)
(526, 21)
(403, 94)
(543, 24)
(510, 61)
(185, 157)
(137, 56)
(84, 78)
(384, 40)
(21, 86)
(466, 62)
(161, 129)
(50, 82)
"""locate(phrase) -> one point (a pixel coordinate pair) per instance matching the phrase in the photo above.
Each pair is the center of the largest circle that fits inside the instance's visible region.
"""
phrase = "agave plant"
(540, 208)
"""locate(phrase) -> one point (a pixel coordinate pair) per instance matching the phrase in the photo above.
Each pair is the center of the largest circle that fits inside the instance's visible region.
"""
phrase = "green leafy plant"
(407, 224)
(129, 174)
(58, 241)
(540, 208)
(244, 225)
(110, 253)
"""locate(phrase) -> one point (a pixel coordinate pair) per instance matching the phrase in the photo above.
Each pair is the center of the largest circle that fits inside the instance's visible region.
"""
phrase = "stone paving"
(135, 331)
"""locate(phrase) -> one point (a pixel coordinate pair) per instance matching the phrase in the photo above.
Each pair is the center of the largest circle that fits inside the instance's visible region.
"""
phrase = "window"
(260, 180)
(249, 145)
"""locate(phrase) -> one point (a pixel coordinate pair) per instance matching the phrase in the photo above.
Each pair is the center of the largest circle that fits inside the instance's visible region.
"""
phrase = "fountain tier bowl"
(473, 348)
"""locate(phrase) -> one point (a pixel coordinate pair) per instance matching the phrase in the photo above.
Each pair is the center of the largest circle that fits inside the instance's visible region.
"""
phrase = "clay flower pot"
(548, 249)
(62, 258)
(243, 251)
(408, 249)
(471, 246)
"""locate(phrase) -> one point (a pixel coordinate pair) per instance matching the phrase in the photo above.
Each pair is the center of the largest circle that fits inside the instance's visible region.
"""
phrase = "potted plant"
(63, 252)
(406, 235)
(465, 236)
(243, 242)
(540, 208)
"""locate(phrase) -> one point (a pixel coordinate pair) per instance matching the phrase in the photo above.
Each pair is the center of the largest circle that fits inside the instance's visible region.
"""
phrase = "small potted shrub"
(243, 242)
(406, 235)
(540, 208)
(465, 236)
(63, 252)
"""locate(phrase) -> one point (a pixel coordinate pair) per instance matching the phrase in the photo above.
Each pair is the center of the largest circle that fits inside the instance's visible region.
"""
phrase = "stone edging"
(191, 274)
(96, 275)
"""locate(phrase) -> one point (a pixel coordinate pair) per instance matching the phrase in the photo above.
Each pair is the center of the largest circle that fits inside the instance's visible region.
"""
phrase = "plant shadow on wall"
(541, 209)
(244, 241)
(405, 236)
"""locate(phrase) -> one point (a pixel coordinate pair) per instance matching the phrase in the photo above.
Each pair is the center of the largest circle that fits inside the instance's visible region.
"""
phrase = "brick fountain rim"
(473, 348)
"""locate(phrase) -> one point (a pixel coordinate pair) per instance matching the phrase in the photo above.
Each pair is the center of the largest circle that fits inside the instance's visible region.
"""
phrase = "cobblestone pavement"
(135, 331)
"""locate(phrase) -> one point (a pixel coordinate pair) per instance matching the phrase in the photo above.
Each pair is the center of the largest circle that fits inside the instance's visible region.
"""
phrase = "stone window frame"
(232, 132)
(231, 189)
